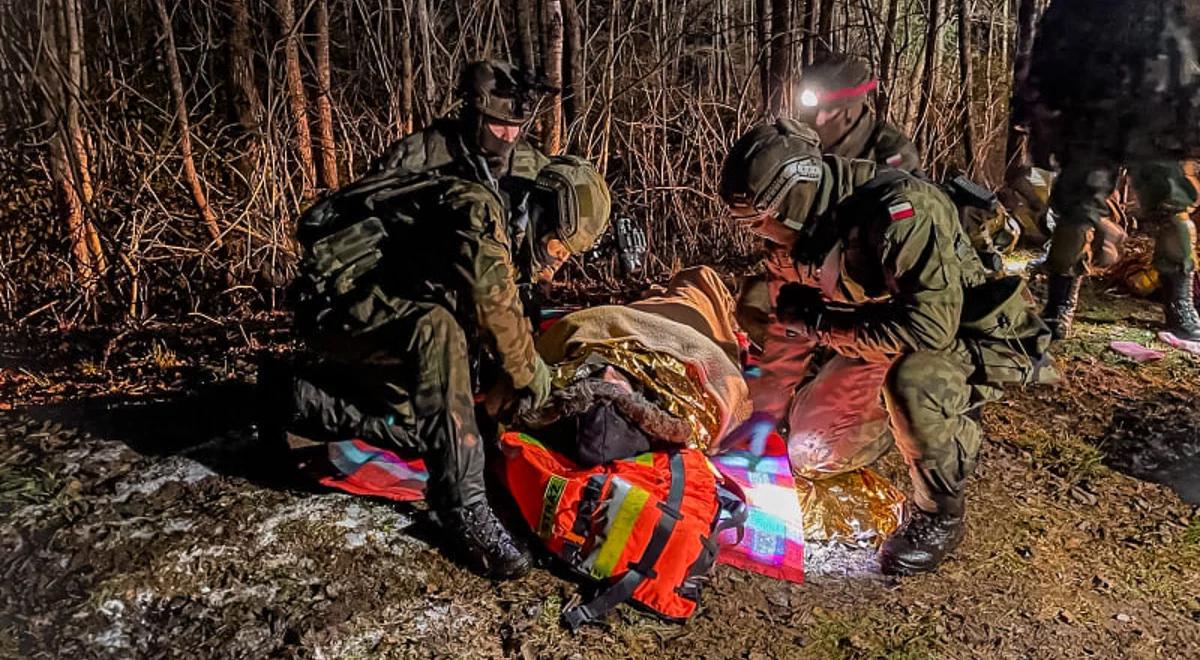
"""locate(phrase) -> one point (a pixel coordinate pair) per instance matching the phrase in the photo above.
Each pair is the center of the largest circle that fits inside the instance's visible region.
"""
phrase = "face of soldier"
(496, 139)
(504, 132)
(551, 255)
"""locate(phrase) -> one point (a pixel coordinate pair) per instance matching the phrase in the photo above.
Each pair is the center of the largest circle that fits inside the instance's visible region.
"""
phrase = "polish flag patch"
(894, 160)
(901, 211)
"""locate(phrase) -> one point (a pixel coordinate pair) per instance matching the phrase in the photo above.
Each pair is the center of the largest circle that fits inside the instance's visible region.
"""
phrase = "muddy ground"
(137, 520)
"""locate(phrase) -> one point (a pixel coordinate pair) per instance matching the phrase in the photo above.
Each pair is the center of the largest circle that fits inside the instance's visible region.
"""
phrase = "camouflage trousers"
(414, 371)
(1166, 191)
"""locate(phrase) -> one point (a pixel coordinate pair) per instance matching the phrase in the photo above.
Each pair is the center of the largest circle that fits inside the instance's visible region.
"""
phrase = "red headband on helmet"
(847, 92)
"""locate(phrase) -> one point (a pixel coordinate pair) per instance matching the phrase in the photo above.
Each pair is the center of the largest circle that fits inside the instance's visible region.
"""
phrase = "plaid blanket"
(773, 542)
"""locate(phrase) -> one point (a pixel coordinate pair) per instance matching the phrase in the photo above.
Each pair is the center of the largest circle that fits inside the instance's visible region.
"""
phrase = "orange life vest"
(647, 525)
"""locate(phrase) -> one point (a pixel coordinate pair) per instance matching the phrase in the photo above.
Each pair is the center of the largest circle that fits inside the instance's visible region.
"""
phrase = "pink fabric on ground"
(1171, 340)
(1136, 352)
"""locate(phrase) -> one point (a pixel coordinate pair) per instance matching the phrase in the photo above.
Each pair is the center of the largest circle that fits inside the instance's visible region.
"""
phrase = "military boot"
(485, 544)
(1062, 295)
(1179, 306)
(925, 539)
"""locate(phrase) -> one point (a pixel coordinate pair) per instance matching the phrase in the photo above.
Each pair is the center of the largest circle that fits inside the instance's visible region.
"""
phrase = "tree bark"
(1014, 148)
(424, 29)
(552, 61)
(181, 119)
(325, 141)
(764, 34)
(810, 32)
(297, 102)
(779, 102)
(825, 27)
(245, 104)
(967, 81)
(524, 17)
(932, 18)
(575, 100)
(887, 58)
(406, 71)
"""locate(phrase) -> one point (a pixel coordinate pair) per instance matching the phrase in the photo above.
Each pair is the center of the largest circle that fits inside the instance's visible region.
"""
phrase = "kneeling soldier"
(871, 264)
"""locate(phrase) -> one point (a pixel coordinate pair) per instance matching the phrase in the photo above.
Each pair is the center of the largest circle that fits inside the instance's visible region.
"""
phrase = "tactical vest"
(647, 526)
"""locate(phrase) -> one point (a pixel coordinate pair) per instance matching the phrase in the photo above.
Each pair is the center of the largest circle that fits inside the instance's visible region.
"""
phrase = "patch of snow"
(114, 638)
(175, 468)
(359, 523)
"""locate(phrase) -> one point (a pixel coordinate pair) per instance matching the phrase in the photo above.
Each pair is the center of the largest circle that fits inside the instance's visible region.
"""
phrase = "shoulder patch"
(901, 211)
(894, 160)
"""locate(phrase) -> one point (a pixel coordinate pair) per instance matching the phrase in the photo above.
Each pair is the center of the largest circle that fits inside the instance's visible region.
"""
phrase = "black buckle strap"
(588, 502)
(599, 607)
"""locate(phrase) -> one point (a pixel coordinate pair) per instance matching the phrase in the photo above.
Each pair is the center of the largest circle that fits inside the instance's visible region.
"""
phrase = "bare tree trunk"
(325, 141)
(779, 102)
(825, 27)
(574, 99)
(55, 79)
(1014, 156)
(552, 62)
(406, 71)
(245, 105)
(810, 32)
(967, 81)
(424, 29)
(932, 45)
(75, 84)
(181, 118)
(887, 57)
(297, 102)
(764, 37)
(524, 17)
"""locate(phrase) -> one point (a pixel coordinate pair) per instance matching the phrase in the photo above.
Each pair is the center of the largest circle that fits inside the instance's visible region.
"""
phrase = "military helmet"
(582, 199)
(765, 168)
(836, 81)
(500, 90)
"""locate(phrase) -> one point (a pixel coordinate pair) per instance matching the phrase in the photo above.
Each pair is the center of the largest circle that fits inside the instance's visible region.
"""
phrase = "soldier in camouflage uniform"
(835, 94)
(871, 264)
(483, 140)
(1112, 83)
(408, 279)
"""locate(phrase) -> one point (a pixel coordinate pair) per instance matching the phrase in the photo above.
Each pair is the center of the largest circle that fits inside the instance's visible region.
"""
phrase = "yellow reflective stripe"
(618, 534)
(554, 492)
(530, 440)
(646, 459)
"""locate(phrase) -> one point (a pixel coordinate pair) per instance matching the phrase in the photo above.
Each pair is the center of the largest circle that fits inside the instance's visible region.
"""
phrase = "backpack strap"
(583, 516)
(599, 607)
(733, 508)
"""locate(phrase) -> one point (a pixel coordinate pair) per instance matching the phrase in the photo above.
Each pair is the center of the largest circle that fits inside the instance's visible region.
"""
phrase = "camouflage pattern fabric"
(895, 264)
(439, 148)
(1167, 194)
(415, 371)
(880, 142)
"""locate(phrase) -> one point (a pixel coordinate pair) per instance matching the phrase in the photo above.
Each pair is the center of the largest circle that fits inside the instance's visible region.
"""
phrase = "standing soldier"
(871, 264)
(1117, 83)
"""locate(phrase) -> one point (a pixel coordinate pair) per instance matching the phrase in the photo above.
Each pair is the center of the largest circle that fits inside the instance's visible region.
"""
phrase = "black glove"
(799, 305)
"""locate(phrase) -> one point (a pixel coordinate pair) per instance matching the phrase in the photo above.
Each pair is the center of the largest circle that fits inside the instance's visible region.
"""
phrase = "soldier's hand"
(798, 304)
(537, 392)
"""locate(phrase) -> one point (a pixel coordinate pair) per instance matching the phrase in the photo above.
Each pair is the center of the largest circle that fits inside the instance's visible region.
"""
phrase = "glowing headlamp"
(809, 99)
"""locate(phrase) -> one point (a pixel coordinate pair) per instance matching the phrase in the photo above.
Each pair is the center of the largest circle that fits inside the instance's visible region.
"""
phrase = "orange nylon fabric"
(548, 489)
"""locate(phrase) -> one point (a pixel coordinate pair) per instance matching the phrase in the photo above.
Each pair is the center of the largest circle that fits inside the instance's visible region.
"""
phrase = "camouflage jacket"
(880, 142)
(438, 148)
(888, 254)
(445, 242)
